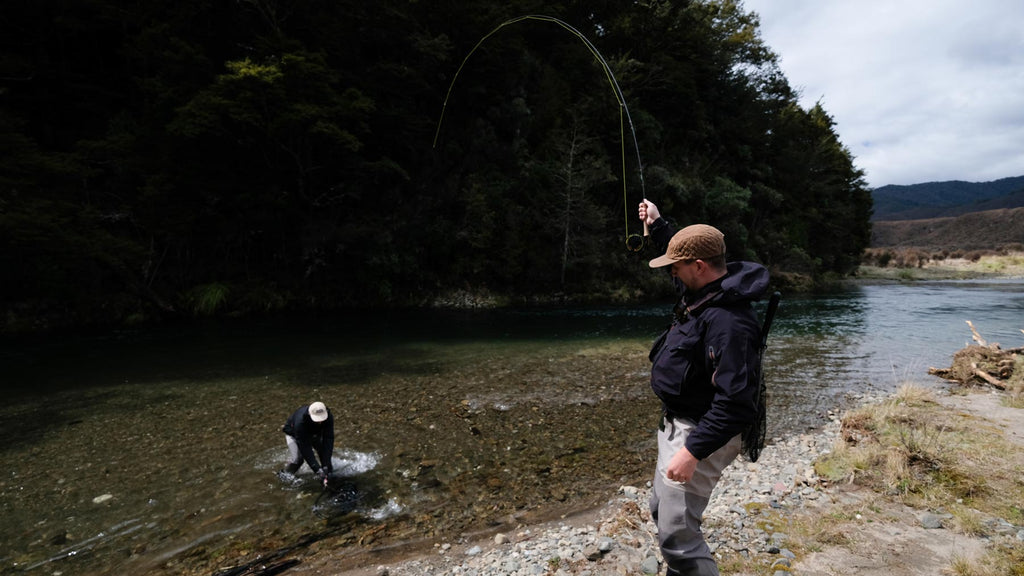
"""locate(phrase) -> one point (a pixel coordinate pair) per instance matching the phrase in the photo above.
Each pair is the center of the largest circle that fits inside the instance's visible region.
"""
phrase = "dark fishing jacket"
(705, 365)
(312, 436)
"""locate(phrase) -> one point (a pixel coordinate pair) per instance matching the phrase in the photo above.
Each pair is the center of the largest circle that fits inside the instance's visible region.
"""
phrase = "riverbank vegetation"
(909, 264)
(912, 464)
(952, 468)
(180, 159)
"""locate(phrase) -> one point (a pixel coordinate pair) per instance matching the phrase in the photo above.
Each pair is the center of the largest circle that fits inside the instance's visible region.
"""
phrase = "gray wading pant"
(294, 455)
(677, 507)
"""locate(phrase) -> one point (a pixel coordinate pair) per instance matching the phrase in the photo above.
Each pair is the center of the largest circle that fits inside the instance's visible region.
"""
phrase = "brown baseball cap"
(696, 242)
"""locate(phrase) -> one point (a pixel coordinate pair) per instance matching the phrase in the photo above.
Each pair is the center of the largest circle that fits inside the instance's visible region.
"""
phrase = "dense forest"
(194, 157)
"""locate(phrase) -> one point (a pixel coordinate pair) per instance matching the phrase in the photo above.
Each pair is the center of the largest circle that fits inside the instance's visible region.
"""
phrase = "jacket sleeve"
(326, 447)
(731, 356)
(661, 232)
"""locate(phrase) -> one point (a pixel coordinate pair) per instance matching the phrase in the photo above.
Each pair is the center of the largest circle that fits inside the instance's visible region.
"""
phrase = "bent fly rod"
(634, 242)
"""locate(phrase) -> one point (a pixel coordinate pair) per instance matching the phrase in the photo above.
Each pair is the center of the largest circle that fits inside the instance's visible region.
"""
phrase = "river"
(154, 451)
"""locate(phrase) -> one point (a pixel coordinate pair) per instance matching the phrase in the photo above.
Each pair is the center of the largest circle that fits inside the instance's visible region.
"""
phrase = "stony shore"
(620, 537)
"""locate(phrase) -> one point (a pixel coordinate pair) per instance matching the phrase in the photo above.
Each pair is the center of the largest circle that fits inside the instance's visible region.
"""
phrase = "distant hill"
(988, 230)
(944, 199)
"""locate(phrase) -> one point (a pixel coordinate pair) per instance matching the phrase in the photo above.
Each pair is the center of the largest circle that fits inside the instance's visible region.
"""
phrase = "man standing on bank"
(705, 373)
(309, 433)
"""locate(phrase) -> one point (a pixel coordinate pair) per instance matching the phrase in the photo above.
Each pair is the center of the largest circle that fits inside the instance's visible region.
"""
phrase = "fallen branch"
(976, 337)
(987, 377)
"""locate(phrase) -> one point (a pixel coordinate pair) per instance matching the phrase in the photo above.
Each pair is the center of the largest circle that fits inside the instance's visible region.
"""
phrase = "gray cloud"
(921, 90)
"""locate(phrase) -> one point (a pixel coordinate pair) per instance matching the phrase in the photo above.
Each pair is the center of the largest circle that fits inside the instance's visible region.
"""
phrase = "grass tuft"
(913, 450)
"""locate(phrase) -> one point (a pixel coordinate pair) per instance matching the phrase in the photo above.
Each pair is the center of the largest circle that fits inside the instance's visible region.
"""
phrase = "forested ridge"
(945, 199)
(193, 157)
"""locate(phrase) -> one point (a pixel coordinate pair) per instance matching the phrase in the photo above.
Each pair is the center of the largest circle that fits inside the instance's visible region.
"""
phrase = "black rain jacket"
(705, 365)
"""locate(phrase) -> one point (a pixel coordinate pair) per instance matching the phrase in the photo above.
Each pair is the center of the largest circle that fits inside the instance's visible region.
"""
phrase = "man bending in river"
(309, 433)
(705, 373)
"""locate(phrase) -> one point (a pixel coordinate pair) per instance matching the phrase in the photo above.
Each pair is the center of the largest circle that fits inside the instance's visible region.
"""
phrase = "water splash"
(389, 509)
(352, 462)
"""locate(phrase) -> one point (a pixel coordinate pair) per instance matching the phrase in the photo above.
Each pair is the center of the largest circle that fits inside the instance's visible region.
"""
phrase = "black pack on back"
(754, 435)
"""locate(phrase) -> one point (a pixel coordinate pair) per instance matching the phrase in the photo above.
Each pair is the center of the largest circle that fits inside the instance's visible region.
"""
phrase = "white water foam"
(352, 462)
(345, 462)
(391, 508)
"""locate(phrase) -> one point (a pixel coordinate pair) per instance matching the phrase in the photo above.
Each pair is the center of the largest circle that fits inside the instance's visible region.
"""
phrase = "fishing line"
(634, 242)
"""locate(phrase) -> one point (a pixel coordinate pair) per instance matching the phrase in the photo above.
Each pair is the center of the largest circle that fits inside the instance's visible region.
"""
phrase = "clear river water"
(154, 451)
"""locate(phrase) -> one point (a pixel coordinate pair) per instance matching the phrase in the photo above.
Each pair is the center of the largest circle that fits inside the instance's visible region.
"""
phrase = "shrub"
(206, 299)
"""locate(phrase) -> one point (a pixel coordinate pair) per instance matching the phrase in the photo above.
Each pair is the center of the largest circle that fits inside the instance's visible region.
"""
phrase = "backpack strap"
(754, 435)
(682, 313)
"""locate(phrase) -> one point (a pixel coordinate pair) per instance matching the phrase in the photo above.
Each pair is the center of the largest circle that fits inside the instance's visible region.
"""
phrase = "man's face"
(686, 272)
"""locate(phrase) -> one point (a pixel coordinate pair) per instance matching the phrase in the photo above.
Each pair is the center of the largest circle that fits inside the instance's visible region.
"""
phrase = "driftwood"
(982, 362)
(977, 337)
(987, 377)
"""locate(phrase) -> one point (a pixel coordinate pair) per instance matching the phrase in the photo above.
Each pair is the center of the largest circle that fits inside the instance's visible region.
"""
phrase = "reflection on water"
(157, 451)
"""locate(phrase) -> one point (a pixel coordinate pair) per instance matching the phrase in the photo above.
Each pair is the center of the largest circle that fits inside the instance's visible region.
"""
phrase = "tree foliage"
(189, 155)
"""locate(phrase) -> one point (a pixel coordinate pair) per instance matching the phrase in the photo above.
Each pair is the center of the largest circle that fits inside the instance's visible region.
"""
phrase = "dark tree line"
(196, 156)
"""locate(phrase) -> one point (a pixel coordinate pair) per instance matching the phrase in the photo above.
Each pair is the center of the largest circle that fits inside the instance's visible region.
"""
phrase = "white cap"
(318, 412)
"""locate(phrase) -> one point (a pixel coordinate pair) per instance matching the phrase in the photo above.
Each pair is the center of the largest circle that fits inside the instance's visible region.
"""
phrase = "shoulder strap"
(684, 312)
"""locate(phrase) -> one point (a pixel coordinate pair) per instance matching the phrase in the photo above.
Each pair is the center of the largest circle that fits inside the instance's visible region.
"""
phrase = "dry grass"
(910, 450)
(910, 264)
(910, 447)
(1005, 559)
(1015, 384)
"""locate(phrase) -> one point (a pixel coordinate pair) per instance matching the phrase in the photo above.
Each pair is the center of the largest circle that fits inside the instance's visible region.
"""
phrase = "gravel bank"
(620, 538)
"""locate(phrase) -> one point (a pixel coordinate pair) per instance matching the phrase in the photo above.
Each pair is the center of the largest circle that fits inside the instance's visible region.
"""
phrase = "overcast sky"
(920, 90)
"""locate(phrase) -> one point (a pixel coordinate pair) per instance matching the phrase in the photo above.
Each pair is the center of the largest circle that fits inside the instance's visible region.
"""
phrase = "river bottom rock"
(620, 538)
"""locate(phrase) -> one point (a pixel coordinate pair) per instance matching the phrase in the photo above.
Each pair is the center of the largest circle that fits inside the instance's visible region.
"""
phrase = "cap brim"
(318, 417)
(663, 260)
